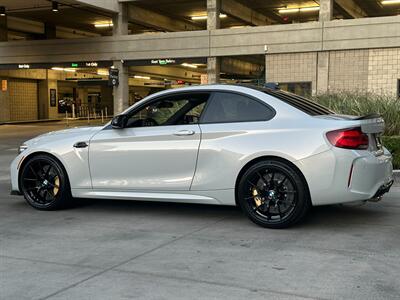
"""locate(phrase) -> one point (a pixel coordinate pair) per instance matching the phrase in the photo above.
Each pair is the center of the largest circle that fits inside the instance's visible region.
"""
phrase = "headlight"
(22, 148)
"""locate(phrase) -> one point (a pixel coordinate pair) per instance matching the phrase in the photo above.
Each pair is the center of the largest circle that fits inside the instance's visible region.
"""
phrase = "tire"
(44, 183)
(273, 194)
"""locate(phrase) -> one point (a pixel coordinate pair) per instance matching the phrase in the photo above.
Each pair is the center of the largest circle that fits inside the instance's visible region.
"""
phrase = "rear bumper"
(340, 175)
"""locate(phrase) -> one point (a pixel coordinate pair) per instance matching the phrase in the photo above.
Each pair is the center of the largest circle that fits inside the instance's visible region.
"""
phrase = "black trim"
(15, 193)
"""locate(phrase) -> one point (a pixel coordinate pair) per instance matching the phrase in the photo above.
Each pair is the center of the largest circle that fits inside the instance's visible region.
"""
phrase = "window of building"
(298, 88)
(230, 107)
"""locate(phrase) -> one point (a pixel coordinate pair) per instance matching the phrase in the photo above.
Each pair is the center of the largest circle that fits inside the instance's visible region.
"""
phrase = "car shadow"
(329, 216)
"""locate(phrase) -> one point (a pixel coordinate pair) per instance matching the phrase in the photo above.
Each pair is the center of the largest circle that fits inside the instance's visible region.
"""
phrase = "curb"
(30, 121)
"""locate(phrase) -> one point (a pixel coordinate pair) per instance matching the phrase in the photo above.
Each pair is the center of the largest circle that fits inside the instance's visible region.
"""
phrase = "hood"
(85, 133)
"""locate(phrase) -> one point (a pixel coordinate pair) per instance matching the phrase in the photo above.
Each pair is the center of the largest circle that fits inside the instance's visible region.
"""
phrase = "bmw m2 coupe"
(272, 153)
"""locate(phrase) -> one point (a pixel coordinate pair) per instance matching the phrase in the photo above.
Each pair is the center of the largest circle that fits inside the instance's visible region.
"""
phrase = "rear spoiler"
(369, 116)
(372, 123)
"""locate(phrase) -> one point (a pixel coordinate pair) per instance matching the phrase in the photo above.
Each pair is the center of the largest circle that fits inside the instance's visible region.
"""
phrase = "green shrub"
(365, 103)
(393, 145)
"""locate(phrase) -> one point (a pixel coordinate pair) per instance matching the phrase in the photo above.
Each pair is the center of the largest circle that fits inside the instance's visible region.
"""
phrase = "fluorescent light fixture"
(103, 25)
(102, 72)
(311, 8)
(204, 17)
(189, 65)
(289, 10)
(63, 69)
(2, 11)
(386, 2)
(54, 6)
(141, 77)
(296, 10)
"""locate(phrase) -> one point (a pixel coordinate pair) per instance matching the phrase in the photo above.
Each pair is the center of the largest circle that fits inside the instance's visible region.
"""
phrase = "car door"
(233, 126)
(156, 150)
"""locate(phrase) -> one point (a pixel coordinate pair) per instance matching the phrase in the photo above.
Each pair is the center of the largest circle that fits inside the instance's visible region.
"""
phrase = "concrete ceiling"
(75, 15)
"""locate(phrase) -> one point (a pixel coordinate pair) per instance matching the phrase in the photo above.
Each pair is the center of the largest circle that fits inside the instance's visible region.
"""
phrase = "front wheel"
(44, 183)
(272, 194)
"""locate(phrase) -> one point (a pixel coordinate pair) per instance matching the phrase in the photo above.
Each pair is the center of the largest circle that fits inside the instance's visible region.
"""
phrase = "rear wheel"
(272, 194)
(44, 183)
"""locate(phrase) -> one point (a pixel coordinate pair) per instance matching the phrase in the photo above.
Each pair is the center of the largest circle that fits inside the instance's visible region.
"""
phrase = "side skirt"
(217, 197)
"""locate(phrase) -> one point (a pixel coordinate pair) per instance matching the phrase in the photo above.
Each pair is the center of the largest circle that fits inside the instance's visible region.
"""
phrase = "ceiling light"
(141, 77)
(189, 65)
(103, 25)
(204, 17)
(311, 8)
(385, 2)
(289, 10)
(54, 6)
(63, 69)
(296, 10)
(2, 11)
(102, 72)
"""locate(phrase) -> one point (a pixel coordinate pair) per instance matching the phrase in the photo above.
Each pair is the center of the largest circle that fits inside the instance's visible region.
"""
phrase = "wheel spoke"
(279, 210)
(33, 171)
(48, 171)
(30, 179)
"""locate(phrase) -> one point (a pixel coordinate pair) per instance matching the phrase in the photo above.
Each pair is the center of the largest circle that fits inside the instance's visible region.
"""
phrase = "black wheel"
(272, 194)
(44, 183)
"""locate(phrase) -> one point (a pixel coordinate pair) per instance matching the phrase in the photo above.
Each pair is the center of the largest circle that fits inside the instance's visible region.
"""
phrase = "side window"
(172, 110)
(231, 107)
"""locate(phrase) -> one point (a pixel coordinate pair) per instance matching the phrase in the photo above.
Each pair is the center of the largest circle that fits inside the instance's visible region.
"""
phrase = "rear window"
(228, 107)
(309, 107)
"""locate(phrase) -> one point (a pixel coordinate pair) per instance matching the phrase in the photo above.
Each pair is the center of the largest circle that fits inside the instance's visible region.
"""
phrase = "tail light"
(352, 138)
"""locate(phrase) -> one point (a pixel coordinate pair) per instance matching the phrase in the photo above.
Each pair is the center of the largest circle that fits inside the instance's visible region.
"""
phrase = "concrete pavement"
(139, 250)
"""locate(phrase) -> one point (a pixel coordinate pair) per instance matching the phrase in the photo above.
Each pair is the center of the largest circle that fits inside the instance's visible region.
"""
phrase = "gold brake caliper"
(56, 185)
(256, 197)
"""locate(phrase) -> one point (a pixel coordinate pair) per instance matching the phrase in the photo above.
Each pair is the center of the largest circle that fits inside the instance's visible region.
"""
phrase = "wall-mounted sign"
(4, 85)
(165, 61)
(23, 66)
(74, 65)
(53, 97)
(162, 62)
(92, 64)
(113, 77)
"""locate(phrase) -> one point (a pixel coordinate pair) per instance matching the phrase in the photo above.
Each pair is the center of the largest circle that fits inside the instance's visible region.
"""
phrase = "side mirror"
(119, 122)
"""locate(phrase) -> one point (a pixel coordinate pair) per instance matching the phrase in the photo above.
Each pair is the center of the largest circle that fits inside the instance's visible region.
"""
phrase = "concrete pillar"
(213, 11)
(213, 69)
(3, 29)
(121, 92)
(120, 20)
(325, 10)
(213, 22)
(322, 73)
(50, 31)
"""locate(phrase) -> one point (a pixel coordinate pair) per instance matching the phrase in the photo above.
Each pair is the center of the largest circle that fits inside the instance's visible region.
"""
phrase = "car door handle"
(80, 145)
(184, 132)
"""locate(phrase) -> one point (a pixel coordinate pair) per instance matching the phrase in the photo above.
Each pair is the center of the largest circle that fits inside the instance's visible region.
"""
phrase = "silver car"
(272, 153)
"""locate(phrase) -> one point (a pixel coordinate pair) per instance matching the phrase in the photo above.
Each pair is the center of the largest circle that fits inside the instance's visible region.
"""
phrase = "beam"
(244, 13)
(351, 8)
(155, 20)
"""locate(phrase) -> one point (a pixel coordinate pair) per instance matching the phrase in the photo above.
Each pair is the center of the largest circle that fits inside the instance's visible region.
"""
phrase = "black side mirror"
(119, 122)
